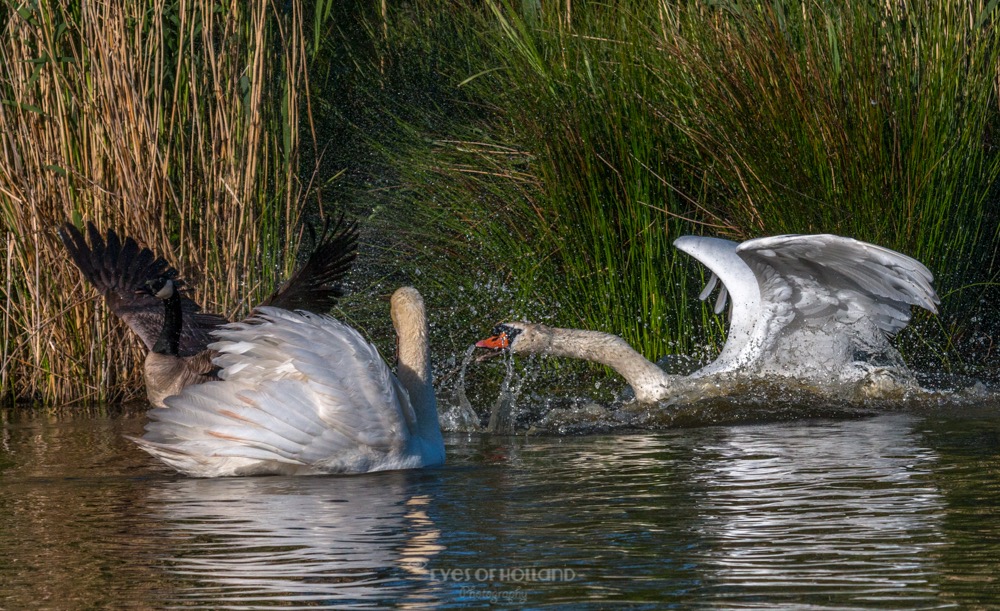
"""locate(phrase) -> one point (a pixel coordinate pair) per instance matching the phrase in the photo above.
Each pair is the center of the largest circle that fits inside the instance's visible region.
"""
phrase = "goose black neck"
(170, 336)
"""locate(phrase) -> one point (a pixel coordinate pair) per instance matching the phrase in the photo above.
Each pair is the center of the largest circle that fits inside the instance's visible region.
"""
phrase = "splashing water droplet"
(461, 417)
(503, 415)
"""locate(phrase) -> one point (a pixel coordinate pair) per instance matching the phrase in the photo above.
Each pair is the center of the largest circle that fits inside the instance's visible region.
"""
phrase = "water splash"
(503, 416)
(462, 416)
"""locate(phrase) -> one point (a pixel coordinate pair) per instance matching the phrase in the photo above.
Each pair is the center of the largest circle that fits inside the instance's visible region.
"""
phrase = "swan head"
(160, 287)
(516, 337)
(406, 307)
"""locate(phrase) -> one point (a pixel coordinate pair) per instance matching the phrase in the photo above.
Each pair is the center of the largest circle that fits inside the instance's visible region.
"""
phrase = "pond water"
(900, 510)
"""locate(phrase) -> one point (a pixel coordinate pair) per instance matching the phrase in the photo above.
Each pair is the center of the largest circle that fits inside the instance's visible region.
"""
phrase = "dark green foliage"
(562, 153)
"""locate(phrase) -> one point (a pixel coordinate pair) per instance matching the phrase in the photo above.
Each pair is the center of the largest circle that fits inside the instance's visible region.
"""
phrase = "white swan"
(303, 394)
(816, 308)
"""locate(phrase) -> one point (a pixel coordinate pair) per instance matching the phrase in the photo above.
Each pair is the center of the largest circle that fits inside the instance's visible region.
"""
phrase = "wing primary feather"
(315, 286)
(713, 280)
(118, 268)
(720, 301)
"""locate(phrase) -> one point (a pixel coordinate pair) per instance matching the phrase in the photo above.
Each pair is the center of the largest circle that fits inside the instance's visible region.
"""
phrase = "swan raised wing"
(806, 305)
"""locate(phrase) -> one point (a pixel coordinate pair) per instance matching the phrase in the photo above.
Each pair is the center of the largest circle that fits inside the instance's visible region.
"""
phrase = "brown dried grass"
(175, 124)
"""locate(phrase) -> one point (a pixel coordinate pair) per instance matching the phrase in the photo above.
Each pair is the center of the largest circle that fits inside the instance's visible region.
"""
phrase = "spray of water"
(463, 414)
(503, 416)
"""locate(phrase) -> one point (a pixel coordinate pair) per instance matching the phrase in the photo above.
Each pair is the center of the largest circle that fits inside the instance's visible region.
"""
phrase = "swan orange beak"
(495, 342)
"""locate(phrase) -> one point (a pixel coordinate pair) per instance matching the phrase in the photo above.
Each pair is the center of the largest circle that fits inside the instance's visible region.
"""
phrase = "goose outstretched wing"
(119, 270)
(315, 286)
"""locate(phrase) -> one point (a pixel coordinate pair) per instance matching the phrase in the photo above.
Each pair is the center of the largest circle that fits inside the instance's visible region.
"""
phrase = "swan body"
(814, 308)
(144, 291)
(301, 394)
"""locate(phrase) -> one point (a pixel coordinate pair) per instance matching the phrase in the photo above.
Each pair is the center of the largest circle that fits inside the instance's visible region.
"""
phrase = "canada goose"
(809, 307)
(146, 293)
(302, 393)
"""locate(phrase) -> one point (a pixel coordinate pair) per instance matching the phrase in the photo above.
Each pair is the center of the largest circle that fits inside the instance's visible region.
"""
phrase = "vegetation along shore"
(509, 159)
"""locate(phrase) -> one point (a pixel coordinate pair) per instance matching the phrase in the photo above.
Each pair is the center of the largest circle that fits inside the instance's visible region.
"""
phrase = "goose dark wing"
(119, 269)
(315, 286)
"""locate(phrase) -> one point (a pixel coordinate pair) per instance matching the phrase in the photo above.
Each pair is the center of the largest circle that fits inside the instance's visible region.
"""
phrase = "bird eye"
(509, 331)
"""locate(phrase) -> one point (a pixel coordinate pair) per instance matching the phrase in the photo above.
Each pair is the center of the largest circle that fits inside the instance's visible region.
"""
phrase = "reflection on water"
(300, 540)
(895, 511)
(796, 507)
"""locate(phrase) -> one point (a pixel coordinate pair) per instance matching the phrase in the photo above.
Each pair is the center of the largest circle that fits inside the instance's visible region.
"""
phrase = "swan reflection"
(808, 505)
(247, 541)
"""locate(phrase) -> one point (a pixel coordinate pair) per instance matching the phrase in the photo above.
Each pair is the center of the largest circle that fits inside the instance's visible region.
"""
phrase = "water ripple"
(897, 511)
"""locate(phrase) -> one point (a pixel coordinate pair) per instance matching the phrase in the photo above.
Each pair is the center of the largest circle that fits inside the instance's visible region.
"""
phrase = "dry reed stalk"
(174, 124)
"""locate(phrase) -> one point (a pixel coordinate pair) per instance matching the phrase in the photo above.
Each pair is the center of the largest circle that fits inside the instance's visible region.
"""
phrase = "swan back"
(299, 393)
(823, 299)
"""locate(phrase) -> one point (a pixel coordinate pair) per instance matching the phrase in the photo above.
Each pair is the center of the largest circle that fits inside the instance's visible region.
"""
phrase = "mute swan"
(302, 394)
(133, 282)
(809, 307)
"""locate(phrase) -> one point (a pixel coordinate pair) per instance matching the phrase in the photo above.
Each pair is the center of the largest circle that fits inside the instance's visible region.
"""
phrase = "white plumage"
(809, 305)
(302, 393)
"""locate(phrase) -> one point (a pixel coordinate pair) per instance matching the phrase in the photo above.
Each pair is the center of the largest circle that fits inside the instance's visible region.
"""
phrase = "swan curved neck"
(649, 382)
(170, 336)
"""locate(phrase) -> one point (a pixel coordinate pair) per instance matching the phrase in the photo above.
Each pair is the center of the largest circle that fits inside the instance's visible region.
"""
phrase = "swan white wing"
(806, 304)
(318, 348)
(860, 279)
(298, 390)
(740, 285)
(828, 300)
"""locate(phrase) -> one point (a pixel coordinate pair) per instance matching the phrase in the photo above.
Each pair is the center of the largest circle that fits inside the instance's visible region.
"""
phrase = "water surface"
(900, 511)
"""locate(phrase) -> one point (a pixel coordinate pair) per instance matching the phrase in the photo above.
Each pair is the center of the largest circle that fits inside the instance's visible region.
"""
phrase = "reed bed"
(562, 147)
(511, 159)
(175, 123)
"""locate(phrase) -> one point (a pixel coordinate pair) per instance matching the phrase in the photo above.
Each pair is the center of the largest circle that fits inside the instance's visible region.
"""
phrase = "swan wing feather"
(739, 286)
(809, 299)
(335, 404)
(842, 272)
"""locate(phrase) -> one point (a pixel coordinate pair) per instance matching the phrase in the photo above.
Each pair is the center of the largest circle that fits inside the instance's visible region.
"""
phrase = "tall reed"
(627, 125)
(175, 123)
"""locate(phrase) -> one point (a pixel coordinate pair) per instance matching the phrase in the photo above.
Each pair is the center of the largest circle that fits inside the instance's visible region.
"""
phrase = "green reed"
(511, 159)
(631, 124)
